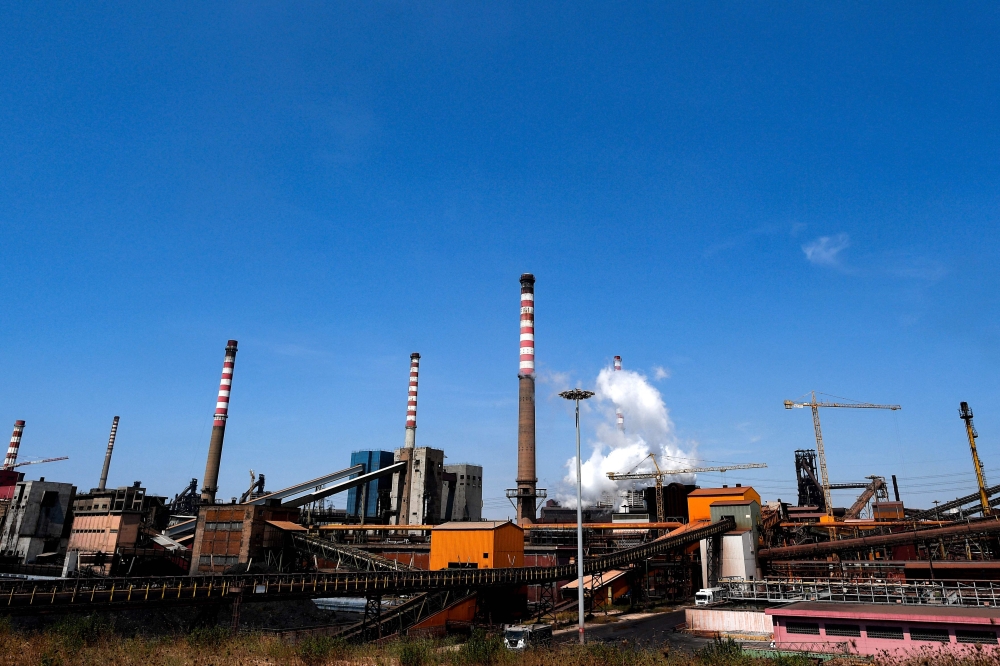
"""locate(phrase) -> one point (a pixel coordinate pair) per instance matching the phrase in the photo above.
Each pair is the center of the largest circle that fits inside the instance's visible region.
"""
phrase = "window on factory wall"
(802, 628)
(972, 636)
(843, 630)
(925, 634)
(893, 633)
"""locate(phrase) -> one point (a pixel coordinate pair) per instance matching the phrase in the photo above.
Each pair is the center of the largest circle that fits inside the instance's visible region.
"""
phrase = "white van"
(707, 595)
(524, 636)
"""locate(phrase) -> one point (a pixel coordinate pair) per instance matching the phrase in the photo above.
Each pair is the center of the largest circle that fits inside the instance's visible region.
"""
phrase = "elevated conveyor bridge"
(70, 593)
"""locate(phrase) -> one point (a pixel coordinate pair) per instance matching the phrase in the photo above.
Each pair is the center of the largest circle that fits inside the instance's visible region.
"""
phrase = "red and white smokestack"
(527, 365)
(527, 481)
(411, 402)
(219, 427)
(618, 363)
(15, 444)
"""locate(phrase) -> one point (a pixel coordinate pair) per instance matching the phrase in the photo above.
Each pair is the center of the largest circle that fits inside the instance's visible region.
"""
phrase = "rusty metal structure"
(814, 405)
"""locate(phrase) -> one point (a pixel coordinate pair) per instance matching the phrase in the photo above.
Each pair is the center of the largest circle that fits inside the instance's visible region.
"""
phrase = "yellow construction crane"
(789, 404)
(660, 473)
(965, 414)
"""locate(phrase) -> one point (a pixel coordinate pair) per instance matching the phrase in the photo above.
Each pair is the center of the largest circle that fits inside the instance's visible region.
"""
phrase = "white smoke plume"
(648, 429)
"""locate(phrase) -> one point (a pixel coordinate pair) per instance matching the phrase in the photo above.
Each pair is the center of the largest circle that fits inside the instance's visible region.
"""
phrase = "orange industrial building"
(700, 500)
(483, 545)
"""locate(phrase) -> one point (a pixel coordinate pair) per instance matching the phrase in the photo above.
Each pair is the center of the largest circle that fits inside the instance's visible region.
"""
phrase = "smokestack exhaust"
(15, 444)
(411, 402)
(618, 412)
(527, 480)
(107, 456)
(219, 427)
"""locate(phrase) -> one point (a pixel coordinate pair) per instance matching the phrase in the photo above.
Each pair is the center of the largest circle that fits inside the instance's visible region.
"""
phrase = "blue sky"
(761, 198)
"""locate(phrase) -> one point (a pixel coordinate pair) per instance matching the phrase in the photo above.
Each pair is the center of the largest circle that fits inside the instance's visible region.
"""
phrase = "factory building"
(107, 521)
(463, 499)
(372, 499)
(230, 534)
(419, 496)
(36, 528)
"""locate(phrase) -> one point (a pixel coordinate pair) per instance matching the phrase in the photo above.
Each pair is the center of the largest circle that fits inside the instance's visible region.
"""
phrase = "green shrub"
(723, 652)
(208, 636)
(316, 650)
(414, 652)
(75, 631)
(482, 648)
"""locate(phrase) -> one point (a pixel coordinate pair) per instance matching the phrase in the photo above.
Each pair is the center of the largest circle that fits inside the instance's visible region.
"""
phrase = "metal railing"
(978, 593)
(40, 595)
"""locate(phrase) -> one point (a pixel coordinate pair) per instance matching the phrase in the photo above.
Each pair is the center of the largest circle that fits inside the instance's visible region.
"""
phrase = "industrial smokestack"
(411, 402)
(526, 479)
(219, 427)
(107, 456)
(15, 444)
(618, 412)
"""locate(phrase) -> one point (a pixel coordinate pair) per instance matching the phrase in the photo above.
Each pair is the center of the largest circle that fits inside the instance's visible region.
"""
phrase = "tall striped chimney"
(411, 402)
(107, 455)
(526, 478)
(15, 444)
(211, 485)
(618, 412)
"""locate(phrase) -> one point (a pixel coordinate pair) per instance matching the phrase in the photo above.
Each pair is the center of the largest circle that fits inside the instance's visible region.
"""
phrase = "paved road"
(644, 630)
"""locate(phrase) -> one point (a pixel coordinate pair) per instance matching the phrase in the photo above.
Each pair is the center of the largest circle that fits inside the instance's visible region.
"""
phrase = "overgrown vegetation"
(93, 641)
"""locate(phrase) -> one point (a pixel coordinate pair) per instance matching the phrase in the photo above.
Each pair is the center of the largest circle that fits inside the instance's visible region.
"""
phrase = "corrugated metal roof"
(588, 581)
(286, 525)
(482, 525)
(709, 492)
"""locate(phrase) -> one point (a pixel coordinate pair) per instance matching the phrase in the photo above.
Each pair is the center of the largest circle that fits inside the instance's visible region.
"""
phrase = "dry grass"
(88, 641)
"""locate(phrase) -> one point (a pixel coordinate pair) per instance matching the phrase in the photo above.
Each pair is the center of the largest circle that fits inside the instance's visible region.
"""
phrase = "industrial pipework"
(526, 479)
(15, 444)
(107, 456)
(211, 481)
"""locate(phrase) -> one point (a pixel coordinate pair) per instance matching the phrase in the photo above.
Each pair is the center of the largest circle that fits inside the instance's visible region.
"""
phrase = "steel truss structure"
(42, 595)
(979, 593)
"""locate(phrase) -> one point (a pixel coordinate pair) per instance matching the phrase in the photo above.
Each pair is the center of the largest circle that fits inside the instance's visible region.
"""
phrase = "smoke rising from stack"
(618, 412)
(107, 456)
(211, 480)
(613, 450)
(15, 444)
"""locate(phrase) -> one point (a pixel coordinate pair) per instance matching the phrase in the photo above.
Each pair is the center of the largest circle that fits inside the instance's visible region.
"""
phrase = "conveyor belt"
(67, 593)
(345, 556)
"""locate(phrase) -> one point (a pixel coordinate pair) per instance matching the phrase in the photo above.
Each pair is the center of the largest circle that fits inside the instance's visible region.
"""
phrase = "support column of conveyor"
(47, 595)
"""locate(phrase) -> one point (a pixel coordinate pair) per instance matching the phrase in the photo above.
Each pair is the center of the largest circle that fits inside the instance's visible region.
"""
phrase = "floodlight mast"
(576, 395)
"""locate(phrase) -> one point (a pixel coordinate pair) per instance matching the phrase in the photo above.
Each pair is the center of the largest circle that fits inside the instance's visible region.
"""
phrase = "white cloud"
(659, 372)
(648, 429)
(825, 250)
